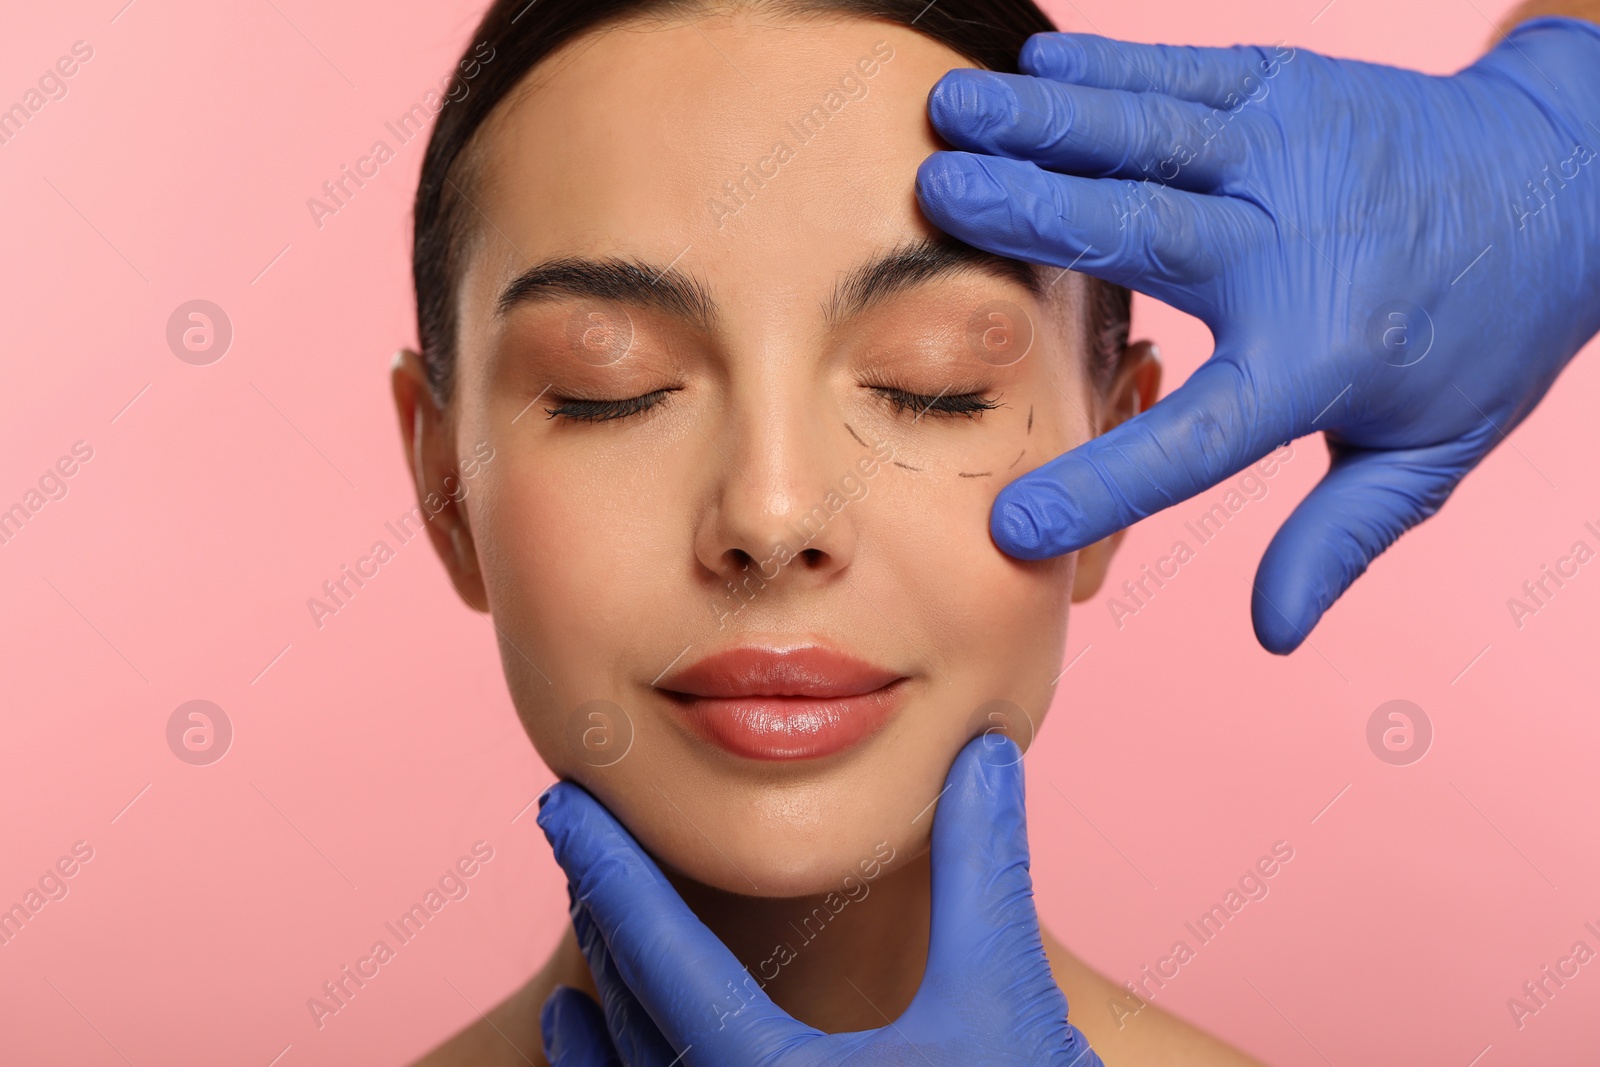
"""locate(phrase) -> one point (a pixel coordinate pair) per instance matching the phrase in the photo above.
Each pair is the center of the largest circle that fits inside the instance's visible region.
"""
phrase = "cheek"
(585, 531)
(997, 622)
(574, 561)
(935, 521)
(996, 625)
(1004, 619)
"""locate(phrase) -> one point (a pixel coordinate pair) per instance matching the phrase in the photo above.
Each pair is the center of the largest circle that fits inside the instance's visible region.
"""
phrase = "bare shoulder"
(508, 1035)
(1125, 1034)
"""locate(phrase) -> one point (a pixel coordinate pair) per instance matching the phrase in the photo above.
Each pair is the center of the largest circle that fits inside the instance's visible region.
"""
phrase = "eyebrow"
(626, 281)
(680, 294)
(917, 263)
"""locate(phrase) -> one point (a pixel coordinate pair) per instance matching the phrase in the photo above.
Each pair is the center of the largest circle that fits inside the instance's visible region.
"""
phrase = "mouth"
(793, 704)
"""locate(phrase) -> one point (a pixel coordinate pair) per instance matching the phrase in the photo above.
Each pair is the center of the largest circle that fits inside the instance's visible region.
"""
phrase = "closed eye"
(606, 410)
(970, 405)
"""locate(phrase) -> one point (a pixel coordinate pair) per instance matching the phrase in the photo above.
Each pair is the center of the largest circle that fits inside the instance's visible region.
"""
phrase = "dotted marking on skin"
(907, 466)
(1030, 418)
(857, 436)
(981, 474)
(1014, 462)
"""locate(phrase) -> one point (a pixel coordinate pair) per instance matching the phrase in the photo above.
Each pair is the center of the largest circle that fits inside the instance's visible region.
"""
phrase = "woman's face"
(743, 578)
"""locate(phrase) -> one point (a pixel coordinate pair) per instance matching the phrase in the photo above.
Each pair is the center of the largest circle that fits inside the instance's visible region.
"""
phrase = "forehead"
(762, 153)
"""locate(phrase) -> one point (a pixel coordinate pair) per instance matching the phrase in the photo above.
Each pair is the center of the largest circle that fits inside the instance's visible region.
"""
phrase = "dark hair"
(521, 33)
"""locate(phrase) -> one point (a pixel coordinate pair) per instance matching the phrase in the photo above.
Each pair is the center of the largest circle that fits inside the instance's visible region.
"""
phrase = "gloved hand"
(1400, 261)
(670, 988)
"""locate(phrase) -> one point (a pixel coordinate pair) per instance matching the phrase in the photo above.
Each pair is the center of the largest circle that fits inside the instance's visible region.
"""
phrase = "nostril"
(814, 557)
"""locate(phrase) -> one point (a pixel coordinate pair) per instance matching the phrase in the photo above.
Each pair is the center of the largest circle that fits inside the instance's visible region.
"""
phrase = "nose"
(783, 499)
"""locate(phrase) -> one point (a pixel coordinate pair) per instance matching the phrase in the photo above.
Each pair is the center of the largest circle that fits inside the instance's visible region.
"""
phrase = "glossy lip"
(784, 704)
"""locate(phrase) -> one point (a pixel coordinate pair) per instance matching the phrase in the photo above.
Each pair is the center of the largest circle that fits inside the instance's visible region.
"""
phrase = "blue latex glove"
(1400, 261)
(669, 987)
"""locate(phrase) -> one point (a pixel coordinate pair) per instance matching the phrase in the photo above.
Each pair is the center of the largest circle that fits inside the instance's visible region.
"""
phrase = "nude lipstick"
(791, 704)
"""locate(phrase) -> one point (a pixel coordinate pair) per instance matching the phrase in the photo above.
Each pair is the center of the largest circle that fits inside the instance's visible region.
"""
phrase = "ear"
(429, 436)
(1134, 389)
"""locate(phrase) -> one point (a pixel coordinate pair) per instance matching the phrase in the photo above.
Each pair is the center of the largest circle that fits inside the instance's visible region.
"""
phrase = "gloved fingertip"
(989, 763)
(562, 1020)
(548, 1013)
(1280, 625)
(561, 807)
(942, 176)
(1020, 530)
(966, 103)
(954, 185)
(984, 788)
(953, 93)
(1050, 55)
(550, 807)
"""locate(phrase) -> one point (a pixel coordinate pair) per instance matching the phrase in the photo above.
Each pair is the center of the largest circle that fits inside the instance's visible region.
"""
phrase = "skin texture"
(1575, 9)
(604, 549)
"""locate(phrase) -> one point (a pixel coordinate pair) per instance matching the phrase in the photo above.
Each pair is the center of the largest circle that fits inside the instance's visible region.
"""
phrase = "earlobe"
(1094, 561)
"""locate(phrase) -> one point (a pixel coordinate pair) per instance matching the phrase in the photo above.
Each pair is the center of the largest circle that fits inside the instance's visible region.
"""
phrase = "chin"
(780, 856)
(794, 828)
(770, 828)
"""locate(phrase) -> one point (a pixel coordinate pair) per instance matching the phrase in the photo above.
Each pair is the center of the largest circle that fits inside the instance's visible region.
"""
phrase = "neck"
(838, 961)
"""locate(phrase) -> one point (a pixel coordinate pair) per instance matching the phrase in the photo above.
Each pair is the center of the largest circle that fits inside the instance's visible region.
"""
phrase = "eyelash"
(606, 410)
(967, 405)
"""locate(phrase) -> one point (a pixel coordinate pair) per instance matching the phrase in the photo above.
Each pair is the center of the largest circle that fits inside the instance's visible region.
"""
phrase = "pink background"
(371, 754)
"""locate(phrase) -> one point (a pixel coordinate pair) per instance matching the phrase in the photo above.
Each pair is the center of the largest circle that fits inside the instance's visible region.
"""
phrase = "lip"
(784, 704)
